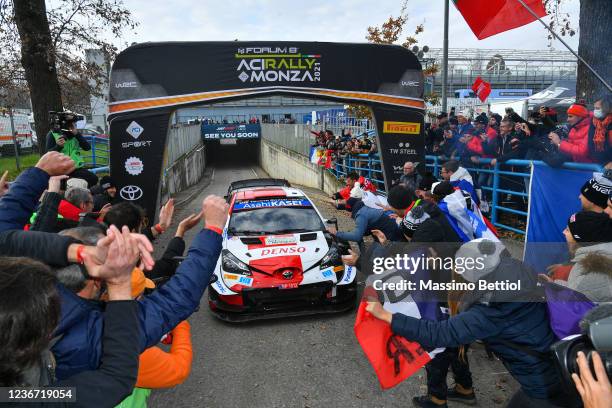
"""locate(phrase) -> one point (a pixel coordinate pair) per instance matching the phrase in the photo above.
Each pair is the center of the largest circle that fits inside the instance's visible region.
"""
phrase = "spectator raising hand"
(187, 224)
(595, 391)
(95, 257)
(215, 209)
(4, 186)
(56, 164)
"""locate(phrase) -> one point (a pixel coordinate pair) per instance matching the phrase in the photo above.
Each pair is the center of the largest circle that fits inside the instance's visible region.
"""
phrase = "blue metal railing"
(372, 170)
(97, 159)
(504, 181)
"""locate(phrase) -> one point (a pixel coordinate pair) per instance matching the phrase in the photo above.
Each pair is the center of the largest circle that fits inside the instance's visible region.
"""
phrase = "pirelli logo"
(408, 128)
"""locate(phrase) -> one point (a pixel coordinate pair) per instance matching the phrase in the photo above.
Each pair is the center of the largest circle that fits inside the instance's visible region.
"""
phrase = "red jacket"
(475, 146)
(577, 144)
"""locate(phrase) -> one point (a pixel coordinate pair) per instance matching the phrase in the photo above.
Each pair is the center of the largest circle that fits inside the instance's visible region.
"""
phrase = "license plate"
(228, 141)
(288, 286)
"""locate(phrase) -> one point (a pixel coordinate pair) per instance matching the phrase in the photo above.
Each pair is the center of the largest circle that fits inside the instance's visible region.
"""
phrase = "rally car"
(277, 258)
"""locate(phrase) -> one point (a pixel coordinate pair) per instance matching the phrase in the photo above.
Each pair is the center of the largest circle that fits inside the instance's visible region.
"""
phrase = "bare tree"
(45, 47)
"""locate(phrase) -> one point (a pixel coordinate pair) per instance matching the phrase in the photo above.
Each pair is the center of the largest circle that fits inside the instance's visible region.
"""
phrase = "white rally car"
(277, 258)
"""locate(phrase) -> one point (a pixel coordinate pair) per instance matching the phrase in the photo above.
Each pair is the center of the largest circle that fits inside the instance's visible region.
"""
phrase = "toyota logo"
(287, 274)
(131, 193)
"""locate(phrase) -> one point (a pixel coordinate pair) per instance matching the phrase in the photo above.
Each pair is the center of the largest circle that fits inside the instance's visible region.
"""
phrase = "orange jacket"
(159, 369)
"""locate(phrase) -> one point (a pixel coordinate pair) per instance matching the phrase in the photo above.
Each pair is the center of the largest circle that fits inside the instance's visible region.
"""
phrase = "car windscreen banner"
(150, 81)
(276, 203)
(216, 132)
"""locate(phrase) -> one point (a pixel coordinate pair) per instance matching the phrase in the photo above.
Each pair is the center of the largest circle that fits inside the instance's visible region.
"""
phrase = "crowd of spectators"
(442, 219)
(344, 148)
(83, 303)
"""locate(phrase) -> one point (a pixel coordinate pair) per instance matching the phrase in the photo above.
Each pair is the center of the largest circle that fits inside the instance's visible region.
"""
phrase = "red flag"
(393, 357)
(476, 84)
(490, 17)
(481, 88)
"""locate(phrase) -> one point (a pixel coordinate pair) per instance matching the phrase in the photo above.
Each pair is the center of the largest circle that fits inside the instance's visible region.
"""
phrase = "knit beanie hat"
(413, 220)
(597, 190)
(578, 110)
(76, 183)
(106, 182)
(486, 255)
(589, 226)
(400, 197)
(443, 189)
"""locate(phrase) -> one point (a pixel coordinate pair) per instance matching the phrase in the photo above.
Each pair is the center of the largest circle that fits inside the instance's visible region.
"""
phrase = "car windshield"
(279, 220)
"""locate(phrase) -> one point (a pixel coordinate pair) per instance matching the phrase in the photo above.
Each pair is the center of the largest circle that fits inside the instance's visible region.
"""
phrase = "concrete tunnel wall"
(276, 160)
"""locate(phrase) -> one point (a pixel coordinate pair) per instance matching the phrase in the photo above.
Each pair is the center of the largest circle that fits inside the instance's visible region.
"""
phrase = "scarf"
(599, 139)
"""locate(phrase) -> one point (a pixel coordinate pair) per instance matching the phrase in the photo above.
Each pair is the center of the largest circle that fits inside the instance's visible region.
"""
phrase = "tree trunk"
(38, 60)
(594, 47)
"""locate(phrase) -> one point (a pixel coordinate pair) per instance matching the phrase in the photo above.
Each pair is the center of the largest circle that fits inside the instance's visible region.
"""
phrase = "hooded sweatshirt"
(591, 274)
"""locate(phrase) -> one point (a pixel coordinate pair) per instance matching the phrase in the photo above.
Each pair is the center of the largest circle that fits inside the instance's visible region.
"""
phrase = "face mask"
(598, 113)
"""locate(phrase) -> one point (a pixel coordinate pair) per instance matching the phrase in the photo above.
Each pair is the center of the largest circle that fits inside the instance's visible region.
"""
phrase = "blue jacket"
(368, 219)
(523, 323)
(18, 204)
(81, 322)
(80, 329)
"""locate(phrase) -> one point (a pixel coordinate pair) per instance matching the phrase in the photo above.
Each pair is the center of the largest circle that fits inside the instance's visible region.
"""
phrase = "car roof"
(268, 192)
(258, 182)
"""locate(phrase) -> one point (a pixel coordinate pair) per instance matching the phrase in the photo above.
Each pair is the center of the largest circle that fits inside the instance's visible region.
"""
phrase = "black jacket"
(48, 248)
(165, 267)
(115, 378)
(46, 216)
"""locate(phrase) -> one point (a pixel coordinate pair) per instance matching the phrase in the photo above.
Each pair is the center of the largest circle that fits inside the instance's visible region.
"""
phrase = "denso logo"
(282, 251)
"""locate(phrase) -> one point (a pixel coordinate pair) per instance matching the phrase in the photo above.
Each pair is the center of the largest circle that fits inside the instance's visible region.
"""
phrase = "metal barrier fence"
(97, 159)
(510, 178)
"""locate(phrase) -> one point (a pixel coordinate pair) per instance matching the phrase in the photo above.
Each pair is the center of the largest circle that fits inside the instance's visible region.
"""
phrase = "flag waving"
(490, 17)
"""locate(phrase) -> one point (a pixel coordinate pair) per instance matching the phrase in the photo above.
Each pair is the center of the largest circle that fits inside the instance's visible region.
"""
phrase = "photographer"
(65, 138)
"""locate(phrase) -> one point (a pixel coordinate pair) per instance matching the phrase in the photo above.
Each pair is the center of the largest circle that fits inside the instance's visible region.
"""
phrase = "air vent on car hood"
(250, 240)
(308, 237)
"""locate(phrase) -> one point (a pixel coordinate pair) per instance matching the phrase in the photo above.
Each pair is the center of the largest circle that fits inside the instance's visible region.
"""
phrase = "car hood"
(270, 253)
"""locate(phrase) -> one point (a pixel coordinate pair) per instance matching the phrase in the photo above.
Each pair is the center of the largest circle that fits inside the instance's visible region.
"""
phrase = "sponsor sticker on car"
(327, 273)
(280, 240)
(348, 274)
(249, 205)
(243, 280)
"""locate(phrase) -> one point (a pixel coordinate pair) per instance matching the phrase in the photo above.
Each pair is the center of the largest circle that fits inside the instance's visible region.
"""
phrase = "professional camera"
(61, 121)
(597, 335)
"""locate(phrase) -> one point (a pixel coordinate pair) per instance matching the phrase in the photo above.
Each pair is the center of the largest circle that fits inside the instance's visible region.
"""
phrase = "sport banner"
(216, 132)
(553, 198)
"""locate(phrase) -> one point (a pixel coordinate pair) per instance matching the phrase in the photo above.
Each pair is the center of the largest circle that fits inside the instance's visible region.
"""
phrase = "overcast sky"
(318, 20)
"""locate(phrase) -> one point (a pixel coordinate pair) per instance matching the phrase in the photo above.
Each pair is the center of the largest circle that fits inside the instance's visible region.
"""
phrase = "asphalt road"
(298, 362)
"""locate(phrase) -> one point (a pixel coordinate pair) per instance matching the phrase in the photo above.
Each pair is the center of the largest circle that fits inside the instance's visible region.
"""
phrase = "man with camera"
(65, 138)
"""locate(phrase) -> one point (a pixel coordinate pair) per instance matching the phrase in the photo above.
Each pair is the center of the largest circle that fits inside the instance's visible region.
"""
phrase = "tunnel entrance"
(222, 153)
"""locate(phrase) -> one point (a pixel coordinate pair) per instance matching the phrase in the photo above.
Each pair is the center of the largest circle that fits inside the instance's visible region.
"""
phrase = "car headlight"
(230, 263)
(331, 258)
